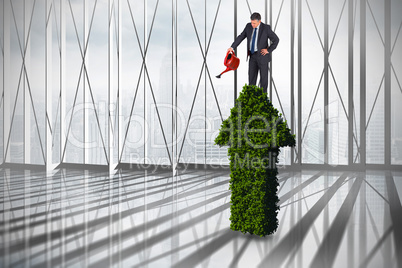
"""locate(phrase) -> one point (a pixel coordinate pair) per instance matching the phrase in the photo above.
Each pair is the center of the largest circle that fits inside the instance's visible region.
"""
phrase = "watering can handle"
(231, 53)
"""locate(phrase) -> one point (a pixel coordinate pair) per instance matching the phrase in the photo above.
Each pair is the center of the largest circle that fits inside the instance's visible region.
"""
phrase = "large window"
(124, 81)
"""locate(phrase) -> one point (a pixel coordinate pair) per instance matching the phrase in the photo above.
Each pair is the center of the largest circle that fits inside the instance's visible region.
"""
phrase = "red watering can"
(231, 62)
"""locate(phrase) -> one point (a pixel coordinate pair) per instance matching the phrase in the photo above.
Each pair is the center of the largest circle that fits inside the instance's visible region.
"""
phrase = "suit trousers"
(254, 65)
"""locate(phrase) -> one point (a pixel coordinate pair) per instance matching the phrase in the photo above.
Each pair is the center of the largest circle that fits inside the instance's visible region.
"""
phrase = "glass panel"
(375, 84)
(396, 82)
(55, 87)
(15, 145)
(281, 67)
(132, 82)
(338, 84)
(97, 80)
(191, 81)
(221, 39)
(2, 86)
(159, 83)
(74, 86)
(356, 86)
(35, 82)
(312, 82)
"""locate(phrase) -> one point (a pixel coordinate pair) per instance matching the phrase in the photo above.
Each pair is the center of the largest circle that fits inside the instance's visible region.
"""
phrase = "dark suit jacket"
(264, 33)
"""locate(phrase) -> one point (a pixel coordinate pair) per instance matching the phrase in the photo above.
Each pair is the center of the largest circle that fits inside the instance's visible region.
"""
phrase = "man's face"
(255, 23)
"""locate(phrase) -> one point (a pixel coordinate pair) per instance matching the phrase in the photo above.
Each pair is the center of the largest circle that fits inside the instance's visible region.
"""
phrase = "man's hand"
(230, 50)
(264, 51)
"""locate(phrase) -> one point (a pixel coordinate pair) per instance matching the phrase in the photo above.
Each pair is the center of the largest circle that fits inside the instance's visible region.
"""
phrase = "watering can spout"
(227, 69)
(231, 62)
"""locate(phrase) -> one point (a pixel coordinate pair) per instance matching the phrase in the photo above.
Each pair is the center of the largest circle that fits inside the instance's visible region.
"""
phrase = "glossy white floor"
(82, 218)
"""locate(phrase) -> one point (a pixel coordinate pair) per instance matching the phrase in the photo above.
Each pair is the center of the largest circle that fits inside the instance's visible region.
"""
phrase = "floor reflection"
(138, 218)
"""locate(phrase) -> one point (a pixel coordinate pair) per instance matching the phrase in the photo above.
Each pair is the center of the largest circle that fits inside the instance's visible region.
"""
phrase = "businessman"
(257, 34)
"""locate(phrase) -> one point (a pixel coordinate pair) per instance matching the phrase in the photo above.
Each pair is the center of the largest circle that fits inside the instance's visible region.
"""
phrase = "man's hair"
(255, 16)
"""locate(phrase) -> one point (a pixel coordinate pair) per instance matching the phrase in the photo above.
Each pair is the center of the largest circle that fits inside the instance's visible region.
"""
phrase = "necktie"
(253, 41)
